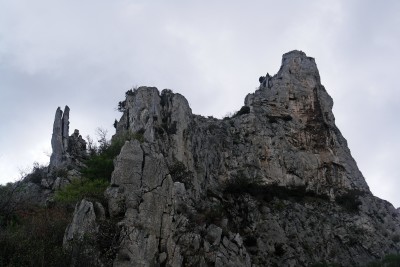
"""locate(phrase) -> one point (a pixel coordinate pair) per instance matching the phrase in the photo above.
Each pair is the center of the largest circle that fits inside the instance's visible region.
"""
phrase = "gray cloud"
(87, 54)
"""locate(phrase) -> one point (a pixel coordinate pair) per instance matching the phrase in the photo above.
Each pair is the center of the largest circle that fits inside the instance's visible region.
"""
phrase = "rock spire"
(59, 138)
(65, 149)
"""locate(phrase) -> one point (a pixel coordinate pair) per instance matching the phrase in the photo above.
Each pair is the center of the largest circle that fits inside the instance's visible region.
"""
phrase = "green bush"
(62, 172)
(242, 111)
(99, 167)
(38, 173)
(101, 164)
(180, 173)
(350, 200)
(77, 190)
(390, 260)
(241, 185)
(36, 240)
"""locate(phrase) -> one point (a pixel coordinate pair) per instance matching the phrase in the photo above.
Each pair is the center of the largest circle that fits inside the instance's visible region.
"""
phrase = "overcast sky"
(86, 54)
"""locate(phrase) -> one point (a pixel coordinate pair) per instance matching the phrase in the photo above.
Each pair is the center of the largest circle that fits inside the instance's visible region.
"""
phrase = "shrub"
(180, 173)
(77, 190)
(121, 106)
(131, 91)
(349, 200)
(101, 163)
(241, 185)
(38, 173)
(61, 172)
(108, 241)
(242, 111)
(36, 240)
(10, 203)
(99, 167)
(390, 260)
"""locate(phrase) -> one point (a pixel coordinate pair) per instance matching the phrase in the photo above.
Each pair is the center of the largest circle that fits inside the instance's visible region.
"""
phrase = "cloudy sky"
(86, 54)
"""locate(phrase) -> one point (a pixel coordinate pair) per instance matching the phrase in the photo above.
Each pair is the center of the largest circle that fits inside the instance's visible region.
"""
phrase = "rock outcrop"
(66, 162)
(66, 149)
(57, 139)
(274, 185)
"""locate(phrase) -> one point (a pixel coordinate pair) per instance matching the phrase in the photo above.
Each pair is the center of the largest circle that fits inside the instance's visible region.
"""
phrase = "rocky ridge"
(67, 159)
(273, 185)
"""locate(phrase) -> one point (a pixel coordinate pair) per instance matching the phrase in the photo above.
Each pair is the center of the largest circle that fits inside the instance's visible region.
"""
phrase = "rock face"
(57, 142)
(274, 185)
(66, 149)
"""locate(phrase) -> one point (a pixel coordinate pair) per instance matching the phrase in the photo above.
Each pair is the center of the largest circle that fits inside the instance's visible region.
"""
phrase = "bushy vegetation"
(100, 164)
(350, 200)
(38, 173)
(243, 110)
(77, 190)
(241, 185)
(31, 235)
(98, 171)
(34, 238)
(9, 204)
(122, 104)
(180, 173)
(391, 260)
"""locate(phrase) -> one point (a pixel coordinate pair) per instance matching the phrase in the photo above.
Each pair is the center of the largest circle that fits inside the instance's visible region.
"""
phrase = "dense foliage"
(32, 235)
(77, 190)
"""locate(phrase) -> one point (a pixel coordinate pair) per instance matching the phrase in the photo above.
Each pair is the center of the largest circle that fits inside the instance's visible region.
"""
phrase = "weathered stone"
(82, 233)
(99, 211)
(83, 222)
(76, 146)
(60, 183)
(65, 128)
(274, 185)
(66, 150)
(57, 141)
(214, 234)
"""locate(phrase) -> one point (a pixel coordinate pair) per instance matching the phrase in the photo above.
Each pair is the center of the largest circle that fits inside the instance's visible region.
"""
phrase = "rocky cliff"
(273, 185)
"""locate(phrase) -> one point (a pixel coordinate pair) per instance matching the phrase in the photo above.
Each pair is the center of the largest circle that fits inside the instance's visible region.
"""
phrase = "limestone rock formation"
(76, 146)
(66, 149)
(274, 185)
(83, 223)
(57, 142)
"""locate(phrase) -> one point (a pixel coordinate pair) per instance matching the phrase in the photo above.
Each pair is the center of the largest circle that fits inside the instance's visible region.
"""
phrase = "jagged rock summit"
(273, 185)
(66, 149)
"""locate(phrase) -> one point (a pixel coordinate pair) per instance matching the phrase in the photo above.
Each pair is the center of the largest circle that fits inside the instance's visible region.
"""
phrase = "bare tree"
(104, 143)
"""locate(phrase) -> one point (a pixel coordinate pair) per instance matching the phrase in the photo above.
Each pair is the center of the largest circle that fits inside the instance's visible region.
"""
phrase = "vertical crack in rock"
(143, 164)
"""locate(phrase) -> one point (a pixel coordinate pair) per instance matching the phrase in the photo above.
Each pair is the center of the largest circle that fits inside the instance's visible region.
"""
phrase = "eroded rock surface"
(274, 185)
(66, 150)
